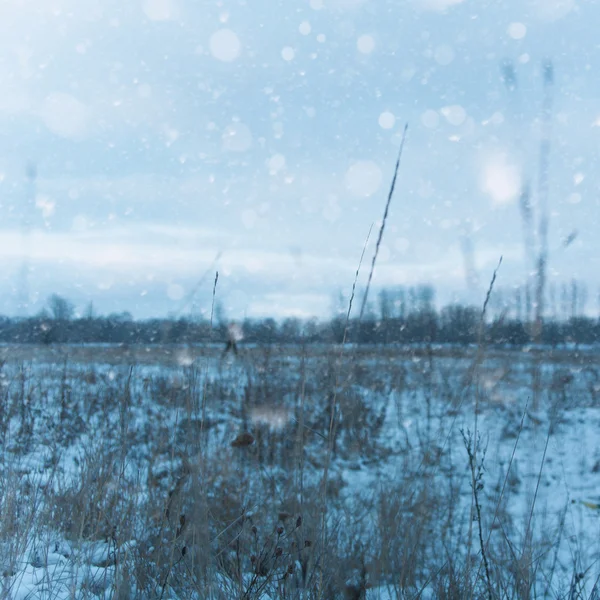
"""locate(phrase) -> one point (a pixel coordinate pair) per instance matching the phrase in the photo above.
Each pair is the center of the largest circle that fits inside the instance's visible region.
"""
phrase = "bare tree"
(60, 308)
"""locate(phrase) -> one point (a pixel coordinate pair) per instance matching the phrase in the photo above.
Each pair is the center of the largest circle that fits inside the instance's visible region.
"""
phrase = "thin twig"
(510, 462)
(539, 479)
(381, 229)
(214, 293)
(347, 325)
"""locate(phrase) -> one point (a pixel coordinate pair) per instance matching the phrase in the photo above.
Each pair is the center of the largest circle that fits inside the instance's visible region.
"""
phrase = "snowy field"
(172, 472)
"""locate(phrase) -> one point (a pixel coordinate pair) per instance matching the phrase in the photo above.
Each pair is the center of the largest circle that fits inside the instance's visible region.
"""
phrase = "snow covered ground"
(138, 479)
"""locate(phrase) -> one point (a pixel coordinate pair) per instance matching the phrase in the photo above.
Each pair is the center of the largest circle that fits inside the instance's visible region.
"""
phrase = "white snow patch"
(501, 180)
(225, 45)
(363, 178)
(574, 198)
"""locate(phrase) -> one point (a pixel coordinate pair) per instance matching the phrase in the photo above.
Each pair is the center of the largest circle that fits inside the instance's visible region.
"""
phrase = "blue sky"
(169, 134)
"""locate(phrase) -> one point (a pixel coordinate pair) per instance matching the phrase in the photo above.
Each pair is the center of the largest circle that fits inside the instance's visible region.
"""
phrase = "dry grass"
(111, 459)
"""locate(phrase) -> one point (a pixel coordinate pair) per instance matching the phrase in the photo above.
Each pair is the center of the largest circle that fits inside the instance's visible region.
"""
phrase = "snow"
(517, 31)
(437, 5)
(455, 114)
(305, 28)
(249, 218)
(225, 45)
(65, 115)
(365, 44)
(552, 10)
(159, 10)
(430, 119)
(237, 137)
(501, 180)
(276, 163)
(444, 55)
(424, 407)
(175, 291)
(386, 120)
(363, 178)
(288, 53)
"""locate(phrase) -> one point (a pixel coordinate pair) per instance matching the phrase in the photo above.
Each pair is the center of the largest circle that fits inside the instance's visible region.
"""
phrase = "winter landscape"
(299, 300)
(299, 472)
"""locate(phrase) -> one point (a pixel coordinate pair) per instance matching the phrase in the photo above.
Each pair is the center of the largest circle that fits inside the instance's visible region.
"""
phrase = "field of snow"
(299, 473)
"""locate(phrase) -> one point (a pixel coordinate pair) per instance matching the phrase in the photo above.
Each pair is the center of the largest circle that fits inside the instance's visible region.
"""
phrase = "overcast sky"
(173, 138)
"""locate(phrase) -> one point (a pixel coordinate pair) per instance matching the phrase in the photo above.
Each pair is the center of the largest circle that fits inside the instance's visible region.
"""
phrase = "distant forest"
(398, 316)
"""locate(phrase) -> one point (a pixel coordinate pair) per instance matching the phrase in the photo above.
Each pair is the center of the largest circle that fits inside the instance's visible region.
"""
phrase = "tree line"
(398, 316)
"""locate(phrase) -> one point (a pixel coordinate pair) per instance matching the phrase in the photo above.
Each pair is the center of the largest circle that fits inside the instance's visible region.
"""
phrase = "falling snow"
(501, 180)
(363, 178)
(237, 137)
(517, 31)
(455, 115)
(430, 119)
(288, 53)
(65, 115)
(175, 291)
(159, 10)
(386, 120)
(225, 45)
(305, 28)
(365, 44)
(444, 55)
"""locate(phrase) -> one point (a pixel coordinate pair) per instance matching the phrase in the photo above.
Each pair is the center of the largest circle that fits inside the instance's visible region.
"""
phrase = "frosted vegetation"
(304, 473)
